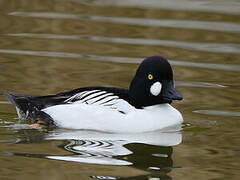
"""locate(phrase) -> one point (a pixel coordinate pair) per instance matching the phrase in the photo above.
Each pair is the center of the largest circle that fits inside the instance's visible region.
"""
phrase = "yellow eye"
(150, 76)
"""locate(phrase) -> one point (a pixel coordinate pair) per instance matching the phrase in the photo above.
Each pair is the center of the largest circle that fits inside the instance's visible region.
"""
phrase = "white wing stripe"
(99, 99)
(107, 99)
(78, 96)
(95, 95)
(89, 93)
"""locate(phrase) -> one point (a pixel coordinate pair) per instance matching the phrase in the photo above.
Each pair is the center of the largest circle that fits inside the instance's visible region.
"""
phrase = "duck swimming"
(144, 107)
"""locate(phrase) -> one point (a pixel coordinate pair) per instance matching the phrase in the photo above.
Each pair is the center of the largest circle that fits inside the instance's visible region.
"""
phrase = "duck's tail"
(26, 108)
(20, 102)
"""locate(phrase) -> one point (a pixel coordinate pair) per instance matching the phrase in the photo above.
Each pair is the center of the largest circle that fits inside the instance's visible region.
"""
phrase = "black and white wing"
(97, 97)
(102, 98)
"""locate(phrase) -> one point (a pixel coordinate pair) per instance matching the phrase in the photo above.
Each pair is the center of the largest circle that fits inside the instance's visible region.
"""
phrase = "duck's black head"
(153, 83)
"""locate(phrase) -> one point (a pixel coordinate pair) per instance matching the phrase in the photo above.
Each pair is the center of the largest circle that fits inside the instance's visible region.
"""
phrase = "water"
(52, 46)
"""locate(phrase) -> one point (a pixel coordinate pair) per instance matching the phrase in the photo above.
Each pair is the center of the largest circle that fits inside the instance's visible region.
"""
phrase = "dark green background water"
(49, 46)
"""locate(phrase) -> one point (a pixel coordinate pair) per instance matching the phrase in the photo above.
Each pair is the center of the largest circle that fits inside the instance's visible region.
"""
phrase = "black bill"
(169, 92)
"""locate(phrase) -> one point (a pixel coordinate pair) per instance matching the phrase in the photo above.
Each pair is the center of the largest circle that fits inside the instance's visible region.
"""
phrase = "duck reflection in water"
(149, 152)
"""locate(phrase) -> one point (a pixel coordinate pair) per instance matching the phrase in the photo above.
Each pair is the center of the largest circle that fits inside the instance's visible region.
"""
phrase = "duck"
(144, 107)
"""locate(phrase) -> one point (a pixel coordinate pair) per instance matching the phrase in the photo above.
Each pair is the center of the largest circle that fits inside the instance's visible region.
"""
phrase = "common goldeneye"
(144, 107)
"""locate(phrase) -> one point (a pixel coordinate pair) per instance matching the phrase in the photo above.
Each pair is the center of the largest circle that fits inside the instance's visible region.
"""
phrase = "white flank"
(105, 118)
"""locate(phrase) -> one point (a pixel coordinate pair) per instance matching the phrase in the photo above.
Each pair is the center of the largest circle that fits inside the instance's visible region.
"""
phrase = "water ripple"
(4, 102)
(199, 84)
(128, 60)
(209, 47)
(186, 24)
(217, 112)
(229, 7)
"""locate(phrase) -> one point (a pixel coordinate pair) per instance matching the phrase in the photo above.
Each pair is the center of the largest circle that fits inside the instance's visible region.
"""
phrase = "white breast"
(103, 118)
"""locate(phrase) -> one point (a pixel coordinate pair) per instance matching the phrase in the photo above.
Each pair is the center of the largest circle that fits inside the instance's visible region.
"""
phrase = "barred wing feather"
(102, 98)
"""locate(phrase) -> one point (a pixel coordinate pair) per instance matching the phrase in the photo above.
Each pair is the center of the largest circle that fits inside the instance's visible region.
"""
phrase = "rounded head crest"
(157, 66)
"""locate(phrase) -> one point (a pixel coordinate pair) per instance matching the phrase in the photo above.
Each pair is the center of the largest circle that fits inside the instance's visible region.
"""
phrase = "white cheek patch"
(156, 88)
